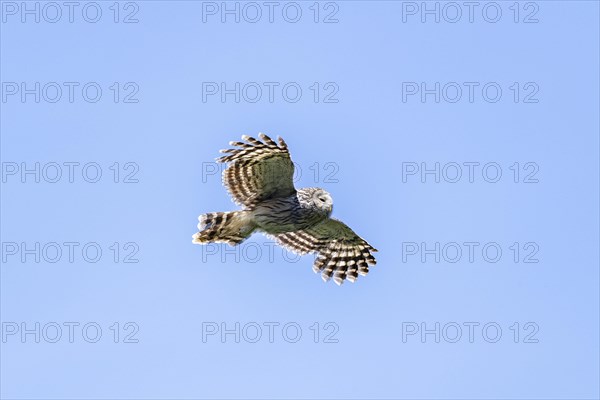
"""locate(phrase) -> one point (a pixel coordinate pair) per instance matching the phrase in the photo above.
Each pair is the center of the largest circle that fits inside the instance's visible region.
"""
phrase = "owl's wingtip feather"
(282, 142)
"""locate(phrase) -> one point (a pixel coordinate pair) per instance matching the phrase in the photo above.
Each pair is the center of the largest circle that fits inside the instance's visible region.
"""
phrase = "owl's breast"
(285, 214)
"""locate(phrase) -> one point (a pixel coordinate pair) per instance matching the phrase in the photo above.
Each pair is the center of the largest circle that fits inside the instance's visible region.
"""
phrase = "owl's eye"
(322, 199)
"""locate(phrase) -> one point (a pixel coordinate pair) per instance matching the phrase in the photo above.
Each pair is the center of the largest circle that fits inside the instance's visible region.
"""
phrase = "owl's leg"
(231, 227)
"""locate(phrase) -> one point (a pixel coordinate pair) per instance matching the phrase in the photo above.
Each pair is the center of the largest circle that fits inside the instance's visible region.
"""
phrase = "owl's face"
(322, 201)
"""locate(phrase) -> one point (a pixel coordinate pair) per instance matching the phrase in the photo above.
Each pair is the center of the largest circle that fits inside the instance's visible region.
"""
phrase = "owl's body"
(289, 214)
(259, 178)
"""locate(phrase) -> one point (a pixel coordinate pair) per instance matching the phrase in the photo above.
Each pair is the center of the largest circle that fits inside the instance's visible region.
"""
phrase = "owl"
(259, 178)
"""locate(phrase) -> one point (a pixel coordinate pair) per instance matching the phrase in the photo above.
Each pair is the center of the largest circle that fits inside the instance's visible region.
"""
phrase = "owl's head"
(322, 200)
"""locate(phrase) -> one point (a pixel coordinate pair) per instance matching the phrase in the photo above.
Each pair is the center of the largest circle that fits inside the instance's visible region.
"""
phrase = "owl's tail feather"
(231, 227)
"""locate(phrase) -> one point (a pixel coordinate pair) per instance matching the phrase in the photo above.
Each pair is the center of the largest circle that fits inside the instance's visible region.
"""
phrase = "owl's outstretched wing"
(341, 252)
(258, 170)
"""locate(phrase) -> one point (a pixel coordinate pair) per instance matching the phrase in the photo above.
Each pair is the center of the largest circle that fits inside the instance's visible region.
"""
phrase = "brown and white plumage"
(341, 252)
(259, 177)
(257, 170)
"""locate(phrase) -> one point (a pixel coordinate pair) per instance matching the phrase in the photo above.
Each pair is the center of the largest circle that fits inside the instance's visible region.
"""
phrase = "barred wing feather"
(258, 170)
(341, 252)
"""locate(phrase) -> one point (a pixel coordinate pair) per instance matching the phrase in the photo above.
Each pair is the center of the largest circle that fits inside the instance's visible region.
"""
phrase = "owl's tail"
(231, 227)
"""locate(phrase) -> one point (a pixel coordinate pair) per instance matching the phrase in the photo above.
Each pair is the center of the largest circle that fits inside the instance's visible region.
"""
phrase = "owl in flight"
(259, 178)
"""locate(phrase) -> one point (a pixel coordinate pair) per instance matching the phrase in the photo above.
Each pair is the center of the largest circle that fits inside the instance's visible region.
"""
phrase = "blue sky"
(473, 140)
